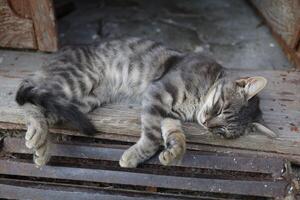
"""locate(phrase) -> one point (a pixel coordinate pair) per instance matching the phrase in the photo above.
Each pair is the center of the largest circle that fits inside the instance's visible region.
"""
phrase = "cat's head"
(231, 106)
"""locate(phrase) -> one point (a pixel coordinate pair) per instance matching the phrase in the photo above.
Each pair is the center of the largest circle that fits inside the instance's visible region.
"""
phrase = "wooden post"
(16, 31)
(28, 24)
(44, 24)
(283, 18)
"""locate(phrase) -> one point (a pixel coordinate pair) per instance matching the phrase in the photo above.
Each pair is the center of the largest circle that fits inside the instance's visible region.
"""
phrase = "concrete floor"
(228, 30)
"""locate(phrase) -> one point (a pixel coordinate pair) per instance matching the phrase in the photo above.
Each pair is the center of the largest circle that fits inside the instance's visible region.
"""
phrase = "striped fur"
(171, 87)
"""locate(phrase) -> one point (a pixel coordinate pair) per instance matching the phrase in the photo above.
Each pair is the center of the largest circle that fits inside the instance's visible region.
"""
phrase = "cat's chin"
(231, 136)
(225, 135)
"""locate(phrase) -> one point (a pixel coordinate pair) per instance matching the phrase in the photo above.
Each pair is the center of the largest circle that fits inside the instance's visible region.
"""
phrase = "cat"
(171, 86)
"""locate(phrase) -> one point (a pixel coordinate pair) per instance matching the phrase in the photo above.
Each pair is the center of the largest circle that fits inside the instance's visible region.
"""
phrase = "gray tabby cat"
(171, 86)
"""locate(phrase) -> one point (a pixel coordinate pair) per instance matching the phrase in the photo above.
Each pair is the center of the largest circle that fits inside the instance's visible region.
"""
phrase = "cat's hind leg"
(174, 142)
(38, 122)
(37, 132)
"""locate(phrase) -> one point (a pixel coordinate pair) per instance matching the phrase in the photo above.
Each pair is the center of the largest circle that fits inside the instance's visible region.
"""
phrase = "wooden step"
(91, 170)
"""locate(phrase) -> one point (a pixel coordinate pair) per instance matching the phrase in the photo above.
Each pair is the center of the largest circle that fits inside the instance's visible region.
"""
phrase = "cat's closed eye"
(217, 110)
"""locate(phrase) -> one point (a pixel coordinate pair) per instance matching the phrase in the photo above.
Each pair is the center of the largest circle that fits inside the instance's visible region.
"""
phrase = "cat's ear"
(252, 85)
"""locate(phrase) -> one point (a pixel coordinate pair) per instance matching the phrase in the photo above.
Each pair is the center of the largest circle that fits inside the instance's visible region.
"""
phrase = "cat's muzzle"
(225, 133)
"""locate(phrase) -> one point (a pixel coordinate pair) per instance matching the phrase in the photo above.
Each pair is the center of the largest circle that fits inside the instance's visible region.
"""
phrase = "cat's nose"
(204, 119)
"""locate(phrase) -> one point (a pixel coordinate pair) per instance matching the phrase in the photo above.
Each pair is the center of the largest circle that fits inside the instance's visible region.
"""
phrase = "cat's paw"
(41, 155)
(41, 160)
(129, 158)
(37, 139)
(166, 157)
(36, 135)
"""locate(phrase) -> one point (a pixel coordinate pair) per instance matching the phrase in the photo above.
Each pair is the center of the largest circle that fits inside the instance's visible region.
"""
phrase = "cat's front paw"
(41, 160)
(36, 135)
(37, 139)
(166, 157)
(129, 158)
(41, 155)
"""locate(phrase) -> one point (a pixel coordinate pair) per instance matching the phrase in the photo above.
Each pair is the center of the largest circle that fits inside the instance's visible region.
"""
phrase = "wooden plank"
(22, 192)
(15, 31)
(283, 17)
(255, 188)
(111, 191)
(17, 128)
(280, 105)
(291, 54)
(21, 8)
(118, 126)
(251, 164)
(44, 24)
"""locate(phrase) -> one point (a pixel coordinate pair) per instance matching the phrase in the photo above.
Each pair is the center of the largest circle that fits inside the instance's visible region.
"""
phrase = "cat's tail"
(52, 103)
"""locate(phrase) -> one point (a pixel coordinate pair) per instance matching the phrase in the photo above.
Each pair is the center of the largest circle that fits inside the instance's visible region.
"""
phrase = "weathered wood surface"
(78, 164)
(21, 8)
(44, 24)
(15, 30)
(249, 164)
(283, 17)
(280, 105)
(261, 187)
(28, 24)
(89, 168)
(48, 192)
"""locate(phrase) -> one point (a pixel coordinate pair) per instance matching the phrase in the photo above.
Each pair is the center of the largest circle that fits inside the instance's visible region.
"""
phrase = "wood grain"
(47, 193)
(248, 164)
(283, 17)
(44, 24)
(291, 54)
(263, 188)
(15, 32)
(21, 8)
(77, 164)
